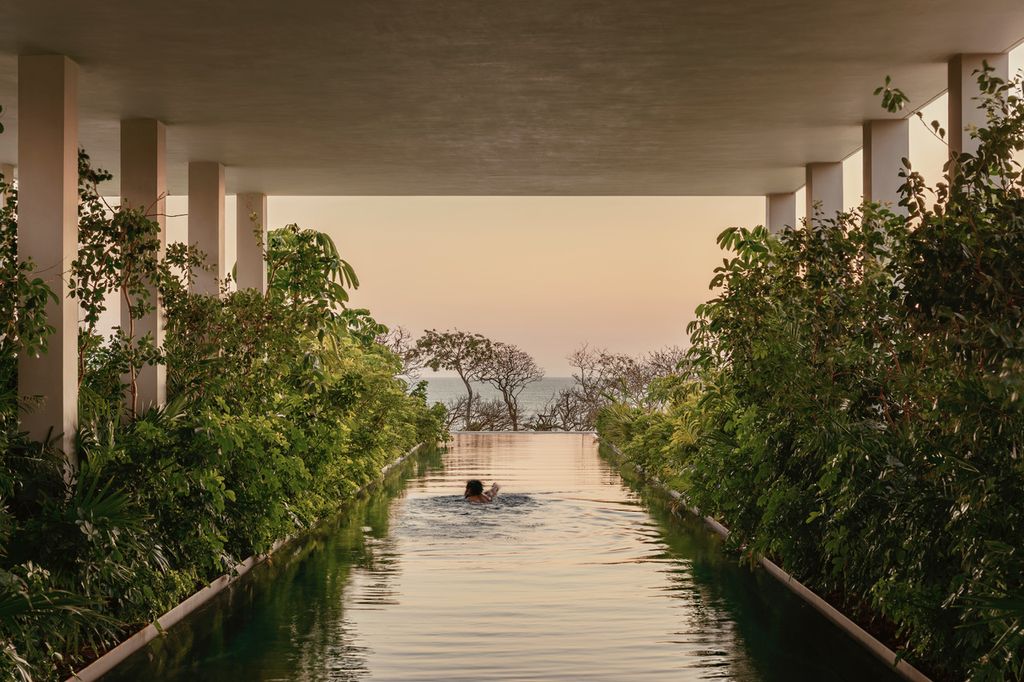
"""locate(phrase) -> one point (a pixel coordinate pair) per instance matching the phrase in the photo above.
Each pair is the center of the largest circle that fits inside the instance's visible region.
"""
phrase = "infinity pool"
(570, 575)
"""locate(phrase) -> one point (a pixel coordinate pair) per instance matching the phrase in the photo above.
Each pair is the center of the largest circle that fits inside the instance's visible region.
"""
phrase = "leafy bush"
(661, 442)
(860, 414)
(282, 405)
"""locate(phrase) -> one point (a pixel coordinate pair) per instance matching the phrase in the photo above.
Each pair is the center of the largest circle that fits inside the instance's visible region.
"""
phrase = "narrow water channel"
(571, 575)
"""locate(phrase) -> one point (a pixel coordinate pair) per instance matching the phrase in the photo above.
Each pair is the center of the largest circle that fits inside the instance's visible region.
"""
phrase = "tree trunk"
(133, 379)
(469, 400)
(513, 415)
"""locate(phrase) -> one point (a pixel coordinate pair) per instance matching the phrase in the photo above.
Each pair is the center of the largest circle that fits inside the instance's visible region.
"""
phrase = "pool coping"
(509, 432)
(859, 634)
(114, 657)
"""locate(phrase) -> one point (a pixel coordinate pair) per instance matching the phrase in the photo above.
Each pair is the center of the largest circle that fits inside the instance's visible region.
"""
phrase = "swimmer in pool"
(475, 492)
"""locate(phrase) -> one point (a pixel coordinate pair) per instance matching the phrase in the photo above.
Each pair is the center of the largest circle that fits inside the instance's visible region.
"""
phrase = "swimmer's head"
(474, 488)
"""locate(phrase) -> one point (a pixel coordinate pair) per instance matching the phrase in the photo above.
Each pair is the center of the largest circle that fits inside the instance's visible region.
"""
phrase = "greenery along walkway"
(281, 406)
(852, 407)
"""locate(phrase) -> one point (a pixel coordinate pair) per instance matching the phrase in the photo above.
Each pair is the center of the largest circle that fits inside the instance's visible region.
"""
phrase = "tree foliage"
(457, 351)
(120, 254)
(857, 412)
(600, 379)
(23, 324)
(510, 369)
(281, 405)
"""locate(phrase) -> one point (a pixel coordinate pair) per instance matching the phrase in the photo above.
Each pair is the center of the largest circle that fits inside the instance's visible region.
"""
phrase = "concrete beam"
(824, 190)
(886, 144)
(206, 222)
(48, 234)
(964, 113)
(144, 186)
(780, 211)
(251, 239)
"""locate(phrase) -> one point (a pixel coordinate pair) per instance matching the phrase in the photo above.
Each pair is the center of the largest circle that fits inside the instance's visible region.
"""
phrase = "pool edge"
(114, 657)
(856, 632)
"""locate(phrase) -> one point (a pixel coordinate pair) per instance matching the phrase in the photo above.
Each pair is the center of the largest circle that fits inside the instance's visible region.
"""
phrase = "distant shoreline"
(443, 389)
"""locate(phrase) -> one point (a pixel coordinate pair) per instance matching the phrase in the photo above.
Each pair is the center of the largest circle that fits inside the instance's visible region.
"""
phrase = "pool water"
(569, 575)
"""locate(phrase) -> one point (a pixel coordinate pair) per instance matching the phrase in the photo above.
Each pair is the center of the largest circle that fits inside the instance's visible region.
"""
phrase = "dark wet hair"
(474, 487)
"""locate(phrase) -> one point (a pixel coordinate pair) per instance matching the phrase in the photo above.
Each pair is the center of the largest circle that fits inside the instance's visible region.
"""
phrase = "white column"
(206, 222)
(251, 238)
(144, 186)
(963, 89)
(48, 234)
(824, 190)
(886, 144)
(780, 211)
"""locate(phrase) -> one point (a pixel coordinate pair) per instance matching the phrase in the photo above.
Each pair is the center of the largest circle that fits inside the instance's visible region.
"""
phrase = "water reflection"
(569, 575)
(288, 619)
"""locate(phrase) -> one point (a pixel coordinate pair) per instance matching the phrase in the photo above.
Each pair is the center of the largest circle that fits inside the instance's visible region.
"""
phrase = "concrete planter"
(122, 651)
(880, 650)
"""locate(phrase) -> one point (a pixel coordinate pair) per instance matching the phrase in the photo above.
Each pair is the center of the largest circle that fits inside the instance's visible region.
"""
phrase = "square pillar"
(144, 186)
(963, 91)
(780, 211)
(48, 234)
(251, 239)
(886, 144)
(824, 190)
(206, 223)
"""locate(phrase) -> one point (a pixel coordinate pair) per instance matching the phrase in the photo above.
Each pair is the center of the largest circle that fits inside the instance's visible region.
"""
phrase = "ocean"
(533, 398)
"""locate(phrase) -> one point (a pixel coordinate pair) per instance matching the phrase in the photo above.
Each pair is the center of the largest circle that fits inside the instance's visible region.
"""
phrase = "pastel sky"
(546, 273)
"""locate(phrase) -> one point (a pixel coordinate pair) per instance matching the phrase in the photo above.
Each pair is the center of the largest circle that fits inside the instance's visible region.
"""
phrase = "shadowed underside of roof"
(479, 97)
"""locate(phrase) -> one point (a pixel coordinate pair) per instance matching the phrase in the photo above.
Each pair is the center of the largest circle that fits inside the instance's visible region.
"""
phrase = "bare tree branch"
(510, 369)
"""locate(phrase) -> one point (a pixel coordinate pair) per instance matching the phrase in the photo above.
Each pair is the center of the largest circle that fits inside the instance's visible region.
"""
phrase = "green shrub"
(282, 405)
(860, 416)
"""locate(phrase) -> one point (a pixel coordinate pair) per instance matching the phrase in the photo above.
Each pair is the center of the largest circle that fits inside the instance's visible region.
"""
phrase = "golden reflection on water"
(569, 575)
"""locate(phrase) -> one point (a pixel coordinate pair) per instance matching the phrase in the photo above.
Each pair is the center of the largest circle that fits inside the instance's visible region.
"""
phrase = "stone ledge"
(110, 660)
(866, 639)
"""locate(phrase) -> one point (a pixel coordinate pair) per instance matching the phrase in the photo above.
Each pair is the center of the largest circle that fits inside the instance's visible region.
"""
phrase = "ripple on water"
(572, 577)
(452, 517)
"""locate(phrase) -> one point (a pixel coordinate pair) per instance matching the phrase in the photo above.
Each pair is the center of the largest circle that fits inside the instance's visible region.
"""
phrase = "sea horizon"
(534, 397)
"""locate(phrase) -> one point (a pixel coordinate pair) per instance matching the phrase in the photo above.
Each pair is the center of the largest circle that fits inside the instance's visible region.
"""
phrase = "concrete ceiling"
(466, 97)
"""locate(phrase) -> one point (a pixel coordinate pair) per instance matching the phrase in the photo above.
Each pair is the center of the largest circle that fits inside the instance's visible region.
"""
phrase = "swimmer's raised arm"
(493, 492)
